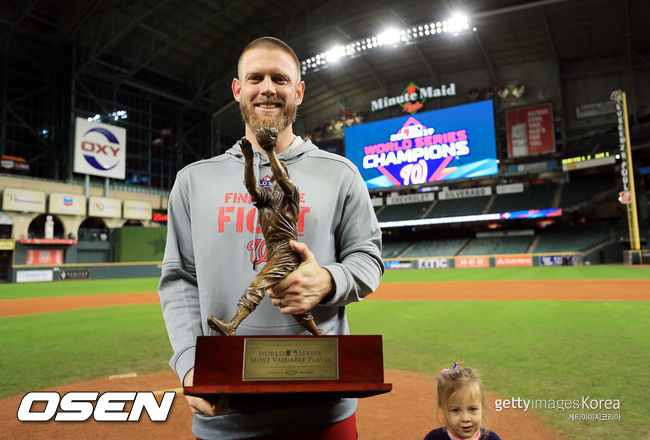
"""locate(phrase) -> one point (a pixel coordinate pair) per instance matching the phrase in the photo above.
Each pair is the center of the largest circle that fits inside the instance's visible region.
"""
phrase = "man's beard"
(281, 121)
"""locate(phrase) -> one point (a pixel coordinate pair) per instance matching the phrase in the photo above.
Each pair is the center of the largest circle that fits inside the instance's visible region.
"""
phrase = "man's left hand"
(303, 288)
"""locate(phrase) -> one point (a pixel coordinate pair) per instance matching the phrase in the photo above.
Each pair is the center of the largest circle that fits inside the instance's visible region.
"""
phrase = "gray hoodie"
(215, 248)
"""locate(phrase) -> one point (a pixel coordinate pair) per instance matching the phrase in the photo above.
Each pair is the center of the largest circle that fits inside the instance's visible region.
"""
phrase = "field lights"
(390, 36)
(457, 23)
(335, 54)
(394, 37)
(115, 116)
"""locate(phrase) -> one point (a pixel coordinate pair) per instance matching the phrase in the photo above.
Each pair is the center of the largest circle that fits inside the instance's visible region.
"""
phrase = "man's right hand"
(247, 149)
(202, 406)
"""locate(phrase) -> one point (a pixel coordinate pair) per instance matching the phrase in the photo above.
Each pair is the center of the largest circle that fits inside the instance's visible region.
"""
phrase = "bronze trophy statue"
(342, 365)
(278, 209)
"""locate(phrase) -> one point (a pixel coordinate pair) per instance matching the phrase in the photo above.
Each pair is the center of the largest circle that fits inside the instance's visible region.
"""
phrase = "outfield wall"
(65, 272)
(139, 243)
(482, 261)
(636, 256)
(132, 251)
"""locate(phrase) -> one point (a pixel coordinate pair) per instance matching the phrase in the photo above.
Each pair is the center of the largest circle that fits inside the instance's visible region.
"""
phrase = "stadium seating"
(533, 197)
(584, 188)
(572, 239)
(435, 248)
(407, 211)
(458, 207)
(391, 249)
(621, 229)
(499, 245)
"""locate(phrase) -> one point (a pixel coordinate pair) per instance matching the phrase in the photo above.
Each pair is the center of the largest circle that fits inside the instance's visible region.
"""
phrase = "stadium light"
(335, 54)
(115, 116)
(394, 37)
(390, 36)
(457, 23)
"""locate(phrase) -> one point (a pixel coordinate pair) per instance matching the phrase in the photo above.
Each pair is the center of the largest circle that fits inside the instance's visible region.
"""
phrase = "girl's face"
(464, 412)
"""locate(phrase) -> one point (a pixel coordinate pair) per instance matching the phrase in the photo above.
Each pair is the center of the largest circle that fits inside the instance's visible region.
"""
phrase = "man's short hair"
(269, 43)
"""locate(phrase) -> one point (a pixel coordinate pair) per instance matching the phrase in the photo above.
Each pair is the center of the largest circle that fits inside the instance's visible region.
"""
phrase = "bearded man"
(215, 246)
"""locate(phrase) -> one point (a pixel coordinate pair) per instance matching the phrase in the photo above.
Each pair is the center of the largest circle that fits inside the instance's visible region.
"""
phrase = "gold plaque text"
(290, 359)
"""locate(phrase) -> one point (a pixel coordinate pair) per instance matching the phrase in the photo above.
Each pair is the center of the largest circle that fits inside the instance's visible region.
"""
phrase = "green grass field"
(48, 349)
(77, 287)
(518, 273)
(541, 349)
(528, 349)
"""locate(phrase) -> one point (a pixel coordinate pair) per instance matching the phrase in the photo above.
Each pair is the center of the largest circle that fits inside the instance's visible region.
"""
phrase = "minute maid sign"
(99, 149)
(412, 98)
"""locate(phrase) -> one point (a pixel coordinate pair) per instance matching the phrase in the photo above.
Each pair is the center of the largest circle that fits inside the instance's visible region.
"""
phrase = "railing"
(81, 182)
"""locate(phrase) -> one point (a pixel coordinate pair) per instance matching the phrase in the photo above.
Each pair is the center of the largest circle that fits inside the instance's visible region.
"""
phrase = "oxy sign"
(99, 149)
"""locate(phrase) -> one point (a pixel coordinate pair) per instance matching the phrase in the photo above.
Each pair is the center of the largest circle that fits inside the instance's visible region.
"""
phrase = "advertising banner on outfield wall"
(514, 261)
(99, 149)
(70, 204)
(33, 276)
(103, 207)
(434, 263)
(74, 274)
(530, 130)
(556, 260)
(23, 200)
(472, 262)
(394, 264)
(137, 210)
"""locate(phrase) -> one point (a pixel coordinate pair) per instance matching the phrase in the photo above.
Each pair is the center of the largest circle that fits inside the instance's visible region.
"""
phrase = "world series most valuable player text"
(290, 359)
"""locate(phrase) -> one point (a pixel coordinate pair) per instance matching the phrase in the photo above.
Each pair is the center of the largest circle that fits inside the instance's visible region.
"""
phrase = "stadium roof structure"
(186, 51)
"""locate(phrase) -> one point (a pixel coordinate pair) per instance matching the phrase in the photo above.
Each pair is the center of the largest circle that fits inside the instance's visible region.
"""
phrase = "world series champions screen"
(452, 143)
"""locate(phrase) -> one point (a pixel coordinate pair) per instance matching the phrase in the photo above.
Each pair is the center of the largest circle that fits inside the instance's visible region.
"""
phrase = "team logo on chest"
(265, 182)
(257, 250)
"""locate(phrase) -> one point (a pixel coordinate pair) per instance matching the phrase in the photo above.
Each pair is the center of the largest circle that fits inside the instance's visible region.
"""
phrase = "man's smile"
(268, 106)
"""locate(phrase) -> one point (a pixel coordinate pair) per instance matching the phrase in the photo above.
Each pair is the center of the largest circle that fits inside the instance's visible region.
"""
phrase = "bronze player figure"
(278, 209)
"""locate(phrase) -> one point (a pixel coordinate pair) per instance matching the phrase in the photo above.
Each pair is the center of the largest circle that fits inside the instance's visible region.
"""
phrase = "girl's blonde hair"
(451, 381)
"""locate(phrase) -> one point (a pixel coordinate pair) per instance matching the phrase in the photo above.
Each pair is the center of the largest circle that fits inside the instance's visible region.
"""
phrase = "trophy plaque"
(339, 365)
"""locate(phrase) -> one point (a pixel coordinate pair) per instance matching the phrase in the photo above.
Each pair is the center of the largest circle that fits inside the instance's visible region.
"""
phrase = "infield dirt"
(552, 290)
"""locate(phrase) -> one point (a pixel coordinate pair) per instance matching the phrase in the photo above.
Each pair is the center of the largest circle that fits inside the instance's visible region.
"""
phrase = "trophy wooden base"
(333, 366)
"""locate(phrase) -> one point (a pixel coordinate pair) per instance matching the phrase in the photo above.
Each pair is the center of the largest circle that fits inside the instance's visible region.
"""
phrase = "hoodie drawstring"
(256, 163)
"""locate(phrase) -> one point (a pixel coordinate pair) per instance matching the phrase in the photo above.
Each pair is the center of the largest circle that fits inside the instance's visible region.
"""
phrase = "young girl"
(463, 405)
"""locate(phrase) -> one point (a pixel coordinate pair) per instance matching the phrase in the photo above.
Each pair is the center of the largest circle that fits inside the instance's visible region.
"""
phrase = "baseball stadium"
(504, 146)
